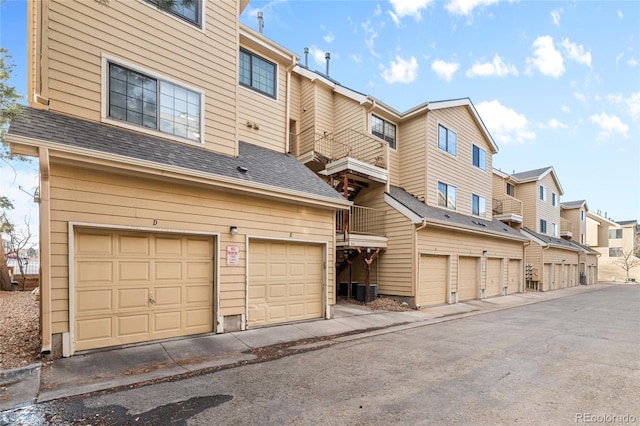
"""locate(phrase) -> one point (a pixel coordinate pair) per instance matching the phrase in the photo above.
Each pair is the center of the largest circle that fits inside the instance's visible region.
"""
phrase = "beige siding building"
(618, 244)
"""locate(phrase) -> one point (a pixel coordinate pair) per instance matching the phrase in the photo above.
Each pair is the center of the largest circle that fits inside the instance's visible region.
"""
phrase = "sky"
(556, 83)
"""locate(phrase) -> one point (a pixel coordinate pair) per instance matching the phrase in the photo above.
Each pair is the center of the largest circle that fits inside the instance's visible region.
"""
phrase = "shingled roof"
(437, 215)
(531, 174)
(263, 166)
(550, 241)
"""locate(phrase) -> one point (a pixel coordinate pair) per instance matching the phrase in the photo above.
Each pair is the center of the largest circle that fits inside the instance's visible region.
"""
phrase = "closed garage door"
(514, 276)
(134, 287)
(548, 276)
(433, 280)
(285, 282)
(467, 278)
(557, 276)
(494, 284)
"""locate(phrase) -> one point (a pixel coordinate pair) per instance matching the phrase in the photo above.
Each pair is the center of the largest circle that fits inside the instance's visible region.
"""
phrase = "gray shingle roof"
(552, 241)
(530, 174)
(584, 247)
(627, 222)
(572, 204)
(429, 213)
(264, 166)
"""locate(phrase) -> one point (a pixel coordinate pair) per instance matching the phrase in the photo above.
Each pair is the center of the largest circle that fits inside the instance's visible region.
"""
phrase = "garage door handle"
(151, 298)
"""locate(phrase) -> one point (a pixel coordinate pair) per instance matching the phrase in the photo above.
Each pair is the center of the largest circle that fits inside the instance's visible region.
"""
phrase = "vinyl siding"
(324, 109)
(120, 200)
(348, 114)
(459, 170)
(411, 169)
(79, 32)
(307, 105)
(528, 194)
(545, 209)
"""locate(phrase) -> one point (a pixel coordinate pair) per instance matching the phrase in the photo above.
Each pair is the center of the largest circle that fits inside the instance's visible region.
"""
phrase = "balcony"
(360, 227)
(508, 210)
(565, 229)
(349, 150)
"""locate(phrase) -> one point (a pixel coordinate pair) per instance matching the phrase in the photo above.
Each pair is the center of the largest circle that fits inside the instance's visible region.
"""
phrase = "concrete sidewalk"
(124, 366)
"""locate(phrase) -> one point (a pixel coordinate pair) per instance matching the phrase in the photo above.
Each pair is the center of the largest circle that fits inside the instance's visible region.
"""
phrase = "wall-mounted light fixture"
(233, 230)
(484, 252)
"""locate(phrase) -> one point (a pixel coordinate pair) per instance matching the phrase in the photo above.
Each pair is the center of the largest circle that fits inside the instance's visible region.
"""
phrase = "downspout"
(45, 251)
(416, 263)
(287, 118)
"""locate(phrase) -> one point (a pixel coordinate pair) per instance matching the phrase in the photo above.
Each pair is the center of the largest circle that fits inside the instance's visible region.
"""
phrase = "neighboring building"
(573, 221)
(613, 241)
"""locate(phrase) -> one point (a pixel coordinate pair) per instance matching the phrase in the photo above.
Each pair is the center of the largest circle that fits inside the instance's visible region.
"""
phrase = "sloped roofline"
(574, 204)
(543, 172)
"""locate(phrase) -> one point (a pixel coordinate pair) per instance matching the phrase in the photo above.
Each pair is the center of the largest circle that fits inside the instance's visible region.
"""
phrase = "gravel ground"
(19, 329)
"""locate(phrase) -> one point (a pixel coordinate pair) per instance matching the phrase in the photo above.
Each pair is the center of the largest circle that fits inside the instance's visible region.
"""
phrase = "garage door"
(493, 284)
(467, 278)
(557, 276)
(285, 282)
(548, 277)
(514, 276)
(433, 280)
(134, 287)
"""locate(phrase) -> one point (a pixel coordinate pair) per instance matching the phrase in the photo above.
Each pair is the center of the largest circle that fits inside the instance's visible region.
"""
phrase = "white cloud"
(318, 55)
(444, 70)
(552, 123)
(620, 14)
(632, 62)
(394, 18)
(495, 68)
(580, 97)
(546, 59)
(631, 104)
(402, 8)
(555, 15)
(565, 108)
(329, 37)
(577, 53)
(371, 36)
(401, 70)
(356, 58)
(465, 7)
(378, 10)
(505, 125)
(609, 124)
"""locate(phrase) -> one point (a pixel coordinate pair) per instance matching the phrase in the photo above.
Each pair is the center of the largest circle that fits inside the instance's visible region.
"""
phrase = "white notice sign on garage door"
(233, 255)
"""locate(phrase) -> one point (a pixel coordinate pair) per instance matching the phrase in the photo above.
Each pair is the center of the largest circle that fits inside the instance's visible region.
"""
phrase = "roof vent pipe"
(327, 56)
(260, 22)
(306, 57)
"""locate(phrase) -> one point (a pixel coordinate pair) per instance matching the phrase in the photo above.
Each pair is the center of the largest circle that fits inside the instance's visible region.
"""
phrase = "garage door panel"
(514, 276)
(493, 283)
(91, 301)
(433, 280)
(133, 298)
(467, 278)
(285, 282)
(141, 266)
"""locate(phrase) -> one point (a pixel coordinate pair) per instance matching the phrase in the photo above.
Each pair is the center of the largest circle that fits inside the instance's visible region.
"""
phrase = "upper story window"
(615, 251)
(554, 199)
(446, 196)
(554, 229)
(478, 205)
(543, 193)
(615, 233)
(153, 103)
(511, 189)
(447, 140)
(257, 73)
(582, 215)
(479, 158)
(543, 226)
(384, 130)
(189, 10)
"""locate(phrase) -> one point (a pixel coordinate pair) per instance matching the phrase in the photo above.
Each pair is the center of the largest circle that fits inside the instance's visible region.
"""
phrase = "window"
(543, 226)
(615, 233)
(189, 10)
(478, 205)
(257, 73)
(384, 130)
(615, 251)
(447, 140)
(554, 199)
(153, 103)
(479, 158)
(554, 229)
(581, 238)
(511, 190)
(543, 193)
(582, 215)
(446, 196)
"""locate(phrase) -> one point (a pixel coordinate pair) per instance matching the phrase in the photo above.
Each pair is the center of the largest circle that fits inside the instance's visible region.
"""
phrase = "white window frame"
(542, 193)
(448, 187)
(201, 27)
(554, 199)
(482, 157)
(106, 60)
(446, 149)
(385, 123)
(543, 224)
(554, 229)
(482, 205)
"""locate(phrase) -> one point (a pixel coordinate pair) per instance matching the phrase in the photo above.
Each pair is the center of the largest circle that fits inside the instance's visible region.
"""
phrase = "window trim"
(480, 198)
(454, 154)
(542, 193)
(481, 153)
(199, 26)
(255, 89)
(455, 200)
(104, 95)
(509, 184)
(617, 231)
(618, 252)
(543, 224)
(554, 199)
(554, 229)
(384, 121)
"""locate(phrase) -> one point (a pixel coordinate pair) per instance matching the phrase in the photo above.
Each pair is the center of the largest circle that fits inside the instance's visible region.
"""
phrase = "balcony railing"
(507, 205)
(360, 220)
(346, 143)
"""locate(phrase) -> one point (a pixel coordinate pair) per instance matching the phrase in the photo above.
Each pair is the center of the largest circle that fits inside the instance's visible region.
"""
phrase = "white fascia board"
(402, 209)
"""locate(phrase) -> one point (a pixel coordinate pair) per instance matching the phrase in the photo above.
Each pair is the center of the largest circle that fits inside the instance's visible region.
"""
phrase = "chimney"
(306, 57)
(327, 56)
(260, 22)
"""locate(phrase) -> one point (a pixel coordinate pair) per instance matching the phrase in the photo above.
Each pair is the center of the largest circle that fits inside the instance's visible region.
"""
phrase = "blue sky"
(556, 83)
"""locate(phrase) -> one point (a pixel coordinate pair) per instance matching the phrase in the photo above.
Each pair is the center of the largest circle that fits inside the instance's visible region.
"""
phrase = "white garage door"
(467, 278)
(494, 275)
(133, 287)
(285, 282)
(514, 276)
(433, 280)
